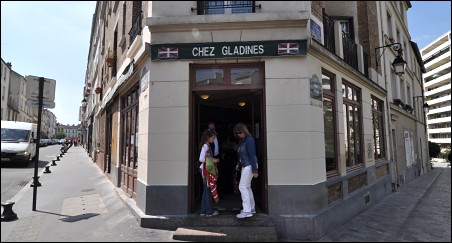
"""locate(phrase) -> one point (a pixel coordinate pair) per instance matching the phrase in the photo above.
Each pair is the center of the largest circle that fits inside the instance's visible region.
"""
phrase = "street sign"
(33, 89)
(35, 103)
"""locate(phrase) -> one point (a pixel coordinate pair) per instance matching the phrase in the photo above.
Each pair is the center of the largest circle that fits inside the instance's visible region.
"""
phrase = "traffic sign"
(33, 89)
(35, 103)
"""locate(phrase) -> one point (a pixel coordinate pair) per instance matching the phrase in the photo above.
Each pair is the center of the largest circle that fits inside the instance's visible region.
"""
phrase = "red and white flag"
(288, 49)
(168, 52)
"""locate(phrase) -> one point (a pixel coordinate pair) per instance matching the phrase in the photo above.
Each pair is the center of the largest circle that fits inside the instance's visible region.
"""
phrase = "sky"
(51, 40)
(428, 20)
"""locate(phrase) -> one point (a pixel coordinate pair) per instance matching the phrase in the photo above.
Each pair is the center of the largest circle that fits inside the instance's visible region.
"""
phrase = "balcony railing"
(136, 28)
(328, 28)
(225, 7)
(350, 51)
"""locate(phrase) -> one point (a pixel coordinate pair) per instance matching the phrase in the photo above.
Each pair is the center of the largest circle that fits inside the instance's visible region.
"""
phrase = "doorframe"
(192, 159)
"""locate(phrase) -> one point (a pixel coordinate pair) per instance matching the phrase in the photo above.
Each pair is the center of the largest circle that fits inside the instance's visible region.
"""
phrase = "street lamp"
(84, 102)
(398, 64)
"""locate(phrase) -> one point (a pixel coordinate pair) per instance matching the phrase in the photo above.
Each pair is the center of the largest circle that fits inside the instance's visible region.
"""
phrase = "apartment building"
(436, 57)
(6, 71)
(334, 121)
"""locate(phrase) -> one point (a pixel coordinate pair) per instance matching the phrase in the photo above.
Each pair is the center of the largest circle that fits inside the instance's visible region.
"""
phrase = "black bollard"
(8, 214)
(37, 184)
(58, 158)
(53, 163)
(47, 170)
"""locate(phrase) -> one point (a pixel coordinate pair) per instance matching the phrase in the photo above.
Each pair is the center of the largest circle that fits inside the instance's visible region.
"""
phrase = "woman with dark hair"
(248, 162)
(209, 180)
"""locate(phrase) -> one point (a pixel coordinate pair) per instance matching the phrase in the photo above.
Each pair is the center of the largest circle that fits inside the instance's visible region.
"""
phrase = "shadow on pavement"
(21, 165)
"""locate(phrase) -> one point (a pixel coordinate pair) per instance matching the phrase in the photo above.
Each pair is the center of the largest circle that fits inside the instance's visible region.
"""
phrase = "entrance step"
(226, 234)
(195, 220)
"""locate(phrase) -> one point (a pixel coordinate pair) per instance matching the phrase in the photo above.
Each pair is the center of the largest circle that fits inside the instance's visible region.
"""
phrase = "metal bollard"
(38, 183)
(8, 214)
(53, 163)
(47, 169)
(58, 158)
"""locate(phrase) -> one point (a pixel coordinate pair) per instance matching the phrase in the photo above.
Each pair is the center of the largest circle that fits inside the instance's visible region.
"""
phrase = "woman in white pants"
(248, 162)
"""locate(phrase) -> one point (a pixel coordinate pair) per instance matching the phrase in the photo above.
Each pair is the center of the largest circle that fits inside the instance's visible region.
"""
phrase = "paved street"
(78, 203)
(15, 176)
(402, 217)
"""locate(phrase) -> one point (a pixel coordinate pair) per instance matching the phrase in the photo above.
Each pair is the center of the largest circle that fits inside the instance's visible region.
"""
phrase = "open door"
(227, 108)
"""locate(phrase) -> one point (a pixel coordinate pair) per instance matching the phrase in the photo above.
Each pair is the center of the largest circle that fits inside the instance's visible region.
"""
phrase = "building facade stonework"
(306, 79)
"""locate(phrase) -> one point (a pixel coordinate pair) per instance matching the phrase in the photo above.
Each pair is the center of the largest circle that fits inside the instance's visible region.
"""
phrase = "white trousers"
(245, 189)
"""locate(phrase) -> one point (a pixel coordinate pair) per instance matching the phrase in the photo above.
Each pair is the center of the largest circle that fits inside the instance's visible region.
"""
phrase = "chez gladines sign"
(228, 49)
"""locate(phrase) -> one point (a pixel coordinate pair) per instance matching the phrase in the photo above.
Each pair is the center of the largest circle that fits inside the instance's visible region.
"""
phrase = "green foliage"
(449, 156)
(60, 134)
(433, 149)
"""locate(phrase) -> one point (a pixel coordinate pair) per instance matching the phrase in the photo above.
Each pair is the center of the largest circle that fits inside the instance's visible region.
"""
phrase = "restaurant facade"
(309, 80)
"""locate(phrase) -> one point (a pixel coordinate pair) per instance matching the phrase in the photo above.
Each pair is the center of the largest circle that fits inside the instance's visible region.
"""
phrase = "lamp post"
(398, 64)
(399, 68)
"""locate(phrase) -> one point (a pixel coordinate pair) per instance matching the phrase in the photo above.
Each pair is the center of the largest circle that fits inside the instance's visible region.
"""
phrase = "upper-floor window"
(225, 7)
(389, 22)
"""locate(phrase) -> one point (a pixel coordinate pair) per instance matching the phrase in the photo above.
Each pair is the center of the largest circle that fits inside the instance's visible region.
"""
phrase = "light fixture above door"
(204, 96)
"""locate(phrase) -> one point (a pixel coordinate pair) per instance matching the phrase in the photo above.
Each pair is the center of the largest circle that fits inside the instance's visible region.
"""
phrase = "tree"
(60, 134)
(433, 149)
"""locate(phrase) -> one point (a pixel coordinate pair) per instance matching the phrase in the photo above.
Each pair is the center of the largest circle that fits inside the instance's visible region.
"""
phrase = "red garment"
(211, 181)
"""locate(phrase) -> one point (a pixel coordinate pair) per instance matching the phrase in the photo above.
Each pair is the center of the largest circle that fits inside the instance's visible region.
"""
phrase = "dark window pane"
(328, 117)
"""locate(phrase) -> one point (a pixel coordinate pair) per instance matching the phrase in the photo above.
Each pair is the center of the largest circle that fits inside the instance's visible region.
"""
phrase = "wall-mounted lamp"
(84, 102)
(204, 96)
(398, 64)
(241, 103)
(425, 106)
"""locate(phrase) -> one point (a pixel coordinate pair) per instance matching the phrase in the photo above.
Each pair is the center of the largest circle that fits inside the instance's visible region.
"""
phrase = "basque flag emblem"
(168, 52)
(288, 49)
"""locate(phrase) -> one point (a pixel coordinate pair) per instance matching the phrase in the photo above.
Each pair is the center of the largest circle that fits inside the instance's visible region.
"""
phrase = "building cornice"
(225, 22)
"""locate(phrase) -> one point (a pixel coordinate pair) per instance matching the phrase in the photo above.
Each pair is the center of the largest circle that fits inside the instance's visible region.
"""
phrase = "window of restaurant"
(352, 124)
(378, 128)
(329, 118)
(129, 141)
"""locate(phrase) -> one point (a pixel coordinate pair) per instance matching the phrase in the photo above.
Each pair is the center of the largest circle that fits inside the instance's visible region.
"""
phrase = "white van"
(18, 141)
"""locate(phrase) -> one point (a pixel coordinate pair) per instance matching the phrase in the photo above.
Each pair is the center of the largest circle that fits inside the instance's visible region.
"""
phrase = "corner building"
(300, 75)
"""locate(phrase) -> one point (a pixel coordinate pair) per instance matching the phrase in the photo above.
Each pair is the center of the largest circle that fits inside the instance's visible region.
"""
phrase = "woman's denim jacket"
(247, 153)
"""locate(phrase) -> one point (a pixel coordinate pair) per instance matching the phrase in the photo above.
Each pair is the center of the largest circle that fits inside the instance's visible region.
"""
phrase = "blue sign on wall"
(316, 31)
